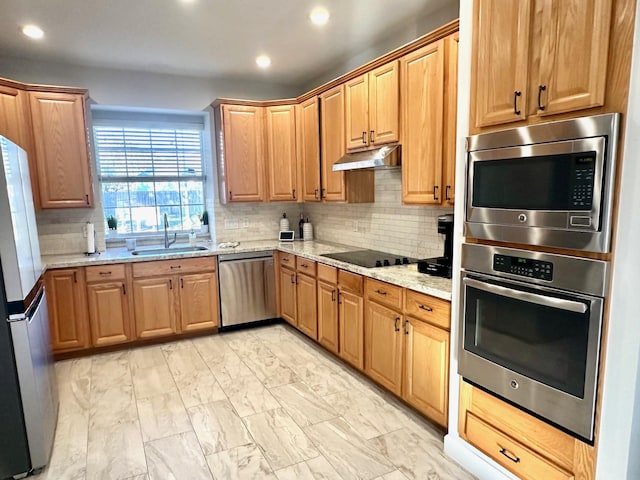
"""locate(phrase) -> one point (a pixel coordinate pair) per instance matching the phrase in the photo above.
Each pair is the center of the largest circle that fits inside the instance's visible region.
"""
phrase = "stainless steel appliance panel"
(247, 288)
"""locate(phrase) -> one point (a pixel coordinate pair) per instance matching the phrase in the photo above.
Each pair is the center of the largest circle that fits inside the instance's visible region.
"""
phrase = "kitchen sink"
(163, 251)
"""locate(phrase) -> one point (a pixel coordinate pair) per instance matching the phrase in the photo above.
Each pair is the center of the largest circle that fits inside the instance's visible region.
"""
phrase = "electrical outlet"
(230, 223)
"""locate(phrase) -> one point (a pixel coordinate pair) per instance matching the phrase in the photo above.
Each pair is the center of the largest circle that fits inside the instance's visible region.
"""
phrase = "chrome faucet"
(168, 243)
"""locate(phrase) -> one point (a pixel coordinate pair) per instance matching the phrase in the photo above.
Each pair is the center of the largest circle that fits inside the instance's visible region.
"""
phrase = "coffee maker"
(441, 266)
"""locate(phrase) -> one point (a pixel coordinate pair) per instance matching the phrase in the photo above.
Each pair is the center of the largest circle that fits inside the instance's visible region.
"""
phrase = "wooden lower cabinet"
(328, 316)
(199, 306)
(426, 371)
(307, 313)
(351, 315)
(383, 339)
(109, 313)
(288, 295)
(155, 307)
(67, 305)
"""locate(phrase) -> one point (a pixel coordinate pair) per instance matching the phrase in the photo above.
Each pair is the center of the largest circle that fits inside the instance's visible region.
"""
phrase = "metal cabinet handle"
(404, 327)
(105, 273)
(435, 192)
(230, 195)
(170, 284)
(339, 295)
(285, 259)
(446, 192)
(371, 136)
(87, 199)
(364, 138)
(175, 267)
(323, 193)
(293, 278)
(425, 307)
(315, 194)
(294, 193)
(396, 327)
(333, 295)
(304, 265)
(509, 455)
(75, 277)
(182, 283)
(541, 88)
(381, 292)
(124, 291)
(516, 94)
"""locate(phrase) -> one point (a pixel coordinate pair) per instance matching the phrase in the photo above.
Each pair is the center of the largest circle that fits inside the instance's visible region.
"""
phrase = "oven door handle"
(546, 301)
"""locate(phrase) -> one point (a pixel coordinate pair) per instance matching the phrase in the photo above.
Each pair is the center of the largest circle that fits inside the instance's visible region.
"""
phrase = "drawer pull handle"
(105, 273)
(509, 455)
(285, 259)
(425, 307)
(304, 265)
(381, 292)
(175, 267)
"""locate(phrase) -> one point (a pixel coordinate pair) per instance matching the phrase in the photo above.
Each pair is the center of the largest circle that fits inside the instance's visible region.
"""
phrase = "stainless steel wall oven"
(531, 324)
(548, 184)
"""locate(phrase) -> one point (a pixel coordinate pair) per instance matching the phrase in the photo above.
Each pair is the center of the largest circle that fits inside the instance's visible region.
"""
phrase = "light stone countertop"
(401, 275)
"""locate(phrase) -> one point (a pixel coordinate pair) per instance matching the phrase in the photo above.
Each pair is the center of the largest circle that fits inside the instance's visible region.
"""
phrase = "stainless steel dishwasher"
(247, 288)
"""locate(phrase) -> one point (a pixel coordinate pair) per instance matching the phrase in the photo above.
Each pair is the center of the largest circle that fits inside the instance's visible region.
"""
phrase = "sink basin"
(164, 251)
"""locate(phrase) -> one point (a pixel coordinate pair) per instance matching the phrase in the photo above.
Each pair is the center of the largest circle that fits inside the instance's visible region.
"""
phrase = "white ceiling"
(205, 38)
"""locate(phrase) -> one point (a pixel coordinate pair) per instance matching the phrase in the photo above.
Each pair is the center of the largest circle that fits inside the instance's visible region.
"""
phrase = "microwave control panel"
(524, 267)
(582, 184)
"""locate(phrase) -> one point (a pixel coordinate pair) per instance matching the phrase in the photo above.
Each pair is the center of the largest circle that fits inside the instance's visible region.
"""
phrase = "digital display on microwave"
(563, 182)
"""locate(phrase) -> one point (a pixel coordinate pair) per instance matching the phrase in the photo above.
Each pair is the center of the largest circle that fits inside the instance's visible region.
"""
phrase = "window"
(149, 168)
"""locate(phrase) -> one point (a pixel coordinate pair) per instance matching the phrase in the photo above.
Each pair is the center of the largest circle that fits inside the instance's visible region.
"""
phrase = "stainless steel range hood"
(385, 157)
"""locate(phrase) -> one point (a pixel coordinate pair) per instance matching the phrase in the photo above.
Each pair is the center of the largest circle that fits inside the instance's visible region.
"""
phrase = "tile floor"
(258, 404)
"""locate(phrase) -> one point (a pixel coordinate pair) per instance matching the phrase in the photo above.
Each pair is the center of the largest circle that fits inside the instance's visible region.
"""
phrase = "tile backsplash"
(61, 231)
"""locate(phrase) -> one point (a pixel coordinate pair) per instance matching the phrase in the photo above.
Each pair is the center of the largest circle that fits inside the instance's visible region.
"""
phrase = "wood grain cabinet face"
(308, 142)
(357, 112)
(333, 143)
(67, 305)
(450, 118)
(351, 316)
(383, 345)
(242, 153)
(155, 307)
(199, 301)
(288, 300)
(328, 316)
(281, 153)
(61, 150)
(109, 313)
(307, 312)
(426, 384)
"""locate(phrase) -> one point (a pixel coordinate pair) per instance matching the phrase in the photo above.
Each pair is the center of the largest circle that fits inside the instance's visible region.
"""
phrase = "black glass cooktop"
(370, 258)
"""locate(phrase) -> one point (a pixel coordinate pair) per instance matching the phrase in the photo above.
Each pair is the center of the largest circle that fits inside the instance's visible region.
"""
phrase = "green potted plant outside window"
(112, 223)
(204, 220)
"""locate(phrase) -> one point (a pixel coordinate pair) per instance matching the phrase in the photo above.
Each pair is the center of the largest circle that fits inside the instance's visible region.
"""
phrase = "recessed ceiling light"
(263, 61)
(319, 16)
(33, 31)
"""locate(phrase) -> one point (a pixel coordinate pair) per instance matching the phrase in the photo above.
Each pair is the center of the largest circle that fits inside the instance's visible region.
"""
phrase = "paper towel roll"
(91, 238)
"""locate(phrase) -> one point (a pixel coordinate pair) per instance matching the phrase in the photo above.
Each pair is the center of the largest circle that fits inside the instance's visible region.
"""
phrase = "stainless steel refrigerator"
(28, 391)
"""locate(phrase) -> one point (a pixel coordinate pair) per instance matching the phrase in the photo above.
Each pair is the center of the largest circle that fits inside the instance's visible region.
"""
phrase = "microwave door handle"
(543, 300)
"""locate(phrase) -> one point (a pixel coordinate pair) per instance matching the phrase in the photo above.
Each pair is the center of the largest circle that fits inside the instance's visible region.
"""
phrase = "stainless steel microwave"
(550, 184)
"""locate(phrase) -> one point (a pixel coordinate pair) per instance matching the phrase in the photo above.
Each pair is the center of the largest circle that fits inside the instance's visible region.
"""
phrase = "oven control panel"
(525, 267)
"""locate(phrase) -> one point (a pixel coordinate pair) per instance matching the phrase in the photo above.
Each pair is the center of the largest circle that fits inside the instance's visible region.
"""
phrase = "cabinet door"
(308, 137)
(383, 346)
(307, 312)
(351, 321)
(426, 383)
(328, 316)
(154, 305)
(62, 158)
(243, 153)
(288, 295)
(573, 56)
(500, 59)
(109, 313)
(384, 101)
(356, 93)
(450, 118)
(422, 118)
(67, 304)
(281, 153)
(333, 143)
(199, 301)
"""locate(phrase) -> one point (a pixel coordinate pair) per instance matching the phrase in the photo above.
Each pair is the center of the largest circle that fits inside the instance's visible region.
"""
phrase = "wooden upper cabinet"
(199, 306)
(573, 54)
(61, 149)
(281, 153)
(308, 141)
(333, 143)
(499, 68)
(67, 305)
(242, 157)
(372, 103)
(450, 118)
(384, 101)
(422, 119)
(357, 112)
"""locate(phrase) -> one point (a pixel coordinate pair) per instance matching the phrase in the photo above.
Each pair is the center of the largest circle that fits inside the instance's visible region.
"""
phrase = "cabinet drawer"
(287, 260)
(308, 267)
(327, 273)
(177, 266)
(511, 454)
(350, 282)
(430, 309)
(384, 293)
(105, 272)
